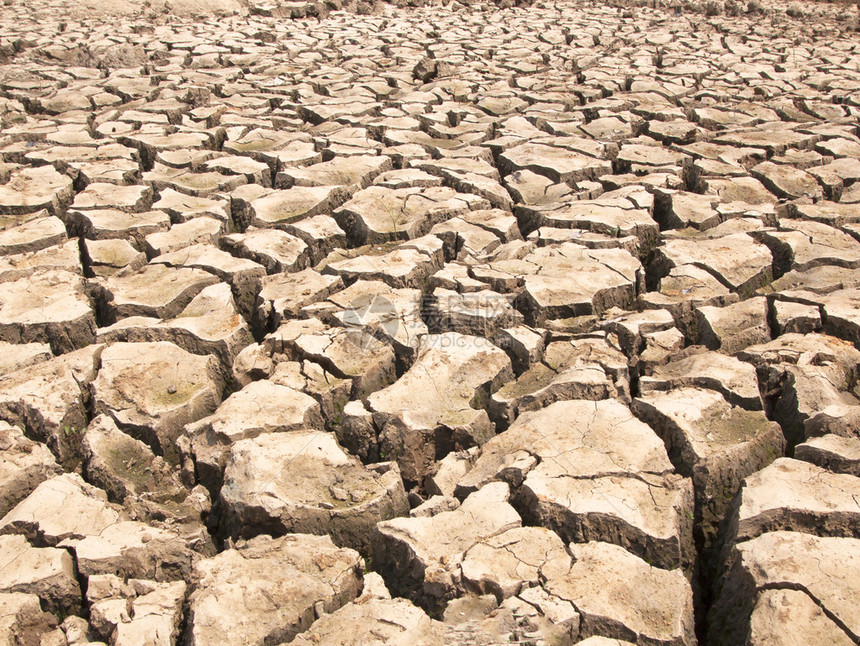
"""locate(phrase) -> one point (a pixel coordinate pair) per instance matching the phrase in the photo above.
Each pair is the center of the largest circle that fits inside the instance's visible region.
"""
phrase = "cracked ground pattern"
(429, 323)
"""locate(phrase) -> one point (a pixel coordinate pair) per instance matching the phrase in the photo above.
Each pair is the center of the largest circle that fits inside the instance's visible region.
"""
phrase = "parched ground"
(446, 324)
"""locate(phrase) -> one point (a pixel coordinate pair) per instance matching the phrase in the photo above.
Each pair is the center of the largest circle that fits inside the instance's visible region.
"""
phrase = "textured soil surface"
(422, 324)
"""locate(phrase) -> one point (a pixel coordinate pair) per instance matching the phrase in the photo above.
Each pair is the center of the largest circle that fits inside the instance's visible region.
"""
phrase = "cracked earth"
(429, 323)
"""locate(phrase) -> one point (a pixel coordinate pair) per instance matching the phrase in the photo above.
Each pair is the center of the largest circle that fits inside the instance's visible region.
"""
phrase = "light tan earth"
(429, 322)
(129, 8)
